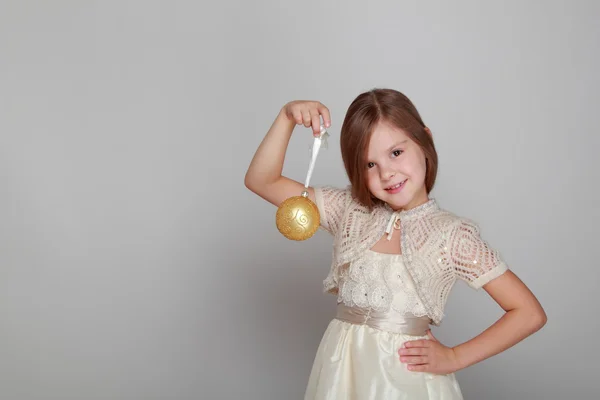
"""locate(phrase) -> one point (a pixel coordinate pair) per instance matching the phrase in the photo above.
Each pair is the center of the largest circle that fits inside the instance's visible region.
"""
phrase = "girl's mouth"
(395, 188)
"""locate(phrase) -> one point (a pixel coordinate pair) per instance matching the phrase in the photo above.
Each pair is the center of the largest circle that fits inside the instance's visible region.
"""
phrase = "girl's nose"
(387, 174)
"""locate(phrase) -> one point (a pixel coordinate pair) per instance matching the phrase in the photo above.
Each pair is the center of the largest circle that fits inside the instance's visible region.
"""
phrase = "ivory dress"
(385, 300)
(358, 355)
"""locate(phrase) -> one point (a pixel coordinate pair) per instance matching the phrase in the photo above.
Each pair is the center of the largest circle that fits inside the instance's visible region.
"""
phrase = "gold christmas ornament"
(298, 217)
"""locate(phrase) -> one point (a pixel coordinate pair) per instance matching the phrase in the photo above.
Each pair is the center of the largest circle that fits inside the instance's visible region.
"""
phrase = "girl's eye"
(396, 153)
(370, 165)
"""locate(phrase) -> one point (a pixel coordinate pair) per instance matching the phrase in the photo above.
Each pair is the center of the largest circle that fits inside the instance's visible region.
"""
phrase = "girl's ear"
(428, 131)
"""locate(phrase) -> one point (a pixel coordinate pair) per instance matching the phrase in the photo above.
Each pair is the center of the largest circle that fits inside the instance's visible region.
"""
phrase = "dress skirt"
(359, 362)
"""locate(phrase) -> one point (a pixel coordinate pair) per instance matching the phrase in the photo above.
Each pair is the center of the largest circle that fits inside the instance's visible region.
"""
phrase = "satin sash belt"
(390, 321)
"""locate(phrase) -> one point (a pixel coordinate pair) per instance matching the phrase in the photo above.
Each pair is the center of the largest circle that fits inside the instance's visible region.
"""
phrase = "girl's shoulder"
(454, 221)
(338, 196)
(332, 203)
(460, 231)
(445, 218)
(339, 207)
(449, 222)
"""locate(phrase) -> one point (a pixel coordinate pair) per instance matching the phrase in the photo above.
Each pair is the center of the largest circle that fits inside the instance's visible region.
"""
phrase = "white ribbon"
(320, 142)
(392, 225)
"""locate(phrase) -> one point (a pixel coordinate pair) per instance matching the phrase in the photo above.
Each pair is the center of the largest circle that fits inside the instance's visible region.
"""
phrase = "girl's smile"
(396, 188)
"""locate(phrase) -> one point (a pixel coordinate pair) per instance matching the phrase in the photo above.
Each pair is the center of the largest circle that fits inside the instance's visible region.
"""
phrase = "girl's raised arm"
(264, 173)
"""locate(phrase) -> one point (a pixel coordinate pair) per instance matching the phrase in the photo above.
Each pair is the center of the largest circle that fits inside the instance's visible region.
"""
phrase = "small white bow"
(394, 223)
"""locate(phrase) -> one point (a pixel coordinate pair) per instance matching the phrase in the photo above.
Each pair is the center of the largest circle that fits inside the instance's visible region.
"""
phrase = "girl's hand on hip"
(308, 113)
(429, 355)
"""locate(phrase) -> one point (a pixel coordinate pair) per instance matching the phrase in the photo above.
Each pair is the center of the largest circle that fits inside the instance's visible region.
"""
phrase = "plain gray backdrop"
(134, 264)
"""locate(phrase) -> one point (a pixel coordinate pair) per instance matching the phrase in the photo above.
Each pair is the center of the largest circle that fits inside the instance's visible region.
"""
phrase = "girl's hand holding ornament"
(308, 113)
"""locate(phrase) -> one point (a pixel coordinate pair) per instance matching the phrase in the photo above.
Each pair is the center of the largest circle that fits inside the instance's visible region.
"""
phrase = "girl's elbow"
(256, 185)
(538, 320)
(248, 181)
(251, 182)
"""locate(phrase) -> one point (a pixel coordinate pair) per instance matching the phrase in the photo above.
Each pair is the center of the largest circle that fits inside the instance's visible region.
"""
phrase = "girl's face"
(395, 168)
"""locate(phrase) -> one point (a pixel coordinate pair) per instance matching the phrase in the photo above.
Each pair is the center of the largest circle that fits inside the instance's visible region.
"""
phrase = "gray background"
(134, 264)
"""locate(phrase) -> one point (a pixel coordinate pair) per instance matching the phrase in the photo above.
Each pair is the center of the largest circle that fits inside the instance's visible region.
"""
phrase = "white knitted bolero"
(437, 246)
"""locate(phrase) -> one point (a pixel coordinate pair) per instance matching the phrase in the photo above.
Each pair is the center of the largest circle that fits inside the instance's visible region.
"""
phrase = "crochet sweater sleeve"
(472, 258)
(332, 203)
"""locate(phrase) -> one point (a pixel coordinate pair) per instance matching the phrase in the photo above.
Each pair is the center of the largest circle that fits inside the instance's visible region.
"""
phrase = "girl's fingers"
(414, 360)
(415, 351)
(418, 343)
(306, 118)
(419, 368)
(297, 117)
(309, 114)
(316, 122)
(324, 111)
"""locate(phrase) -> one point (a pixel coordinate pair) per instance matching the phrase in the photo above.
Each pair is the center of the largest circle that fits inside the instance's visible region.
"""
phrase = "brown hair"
(363, 114)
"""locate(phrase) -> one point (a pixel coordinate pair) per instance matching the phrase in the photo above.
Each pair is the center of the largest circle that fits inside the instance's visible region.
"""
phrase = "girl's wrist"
(459, 362)
(282, 114)
(283, 118)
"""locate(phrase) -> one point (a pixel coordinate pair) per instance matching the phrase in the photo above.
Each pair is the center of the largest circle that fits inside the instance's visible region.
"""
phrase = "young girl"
(396, 256)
